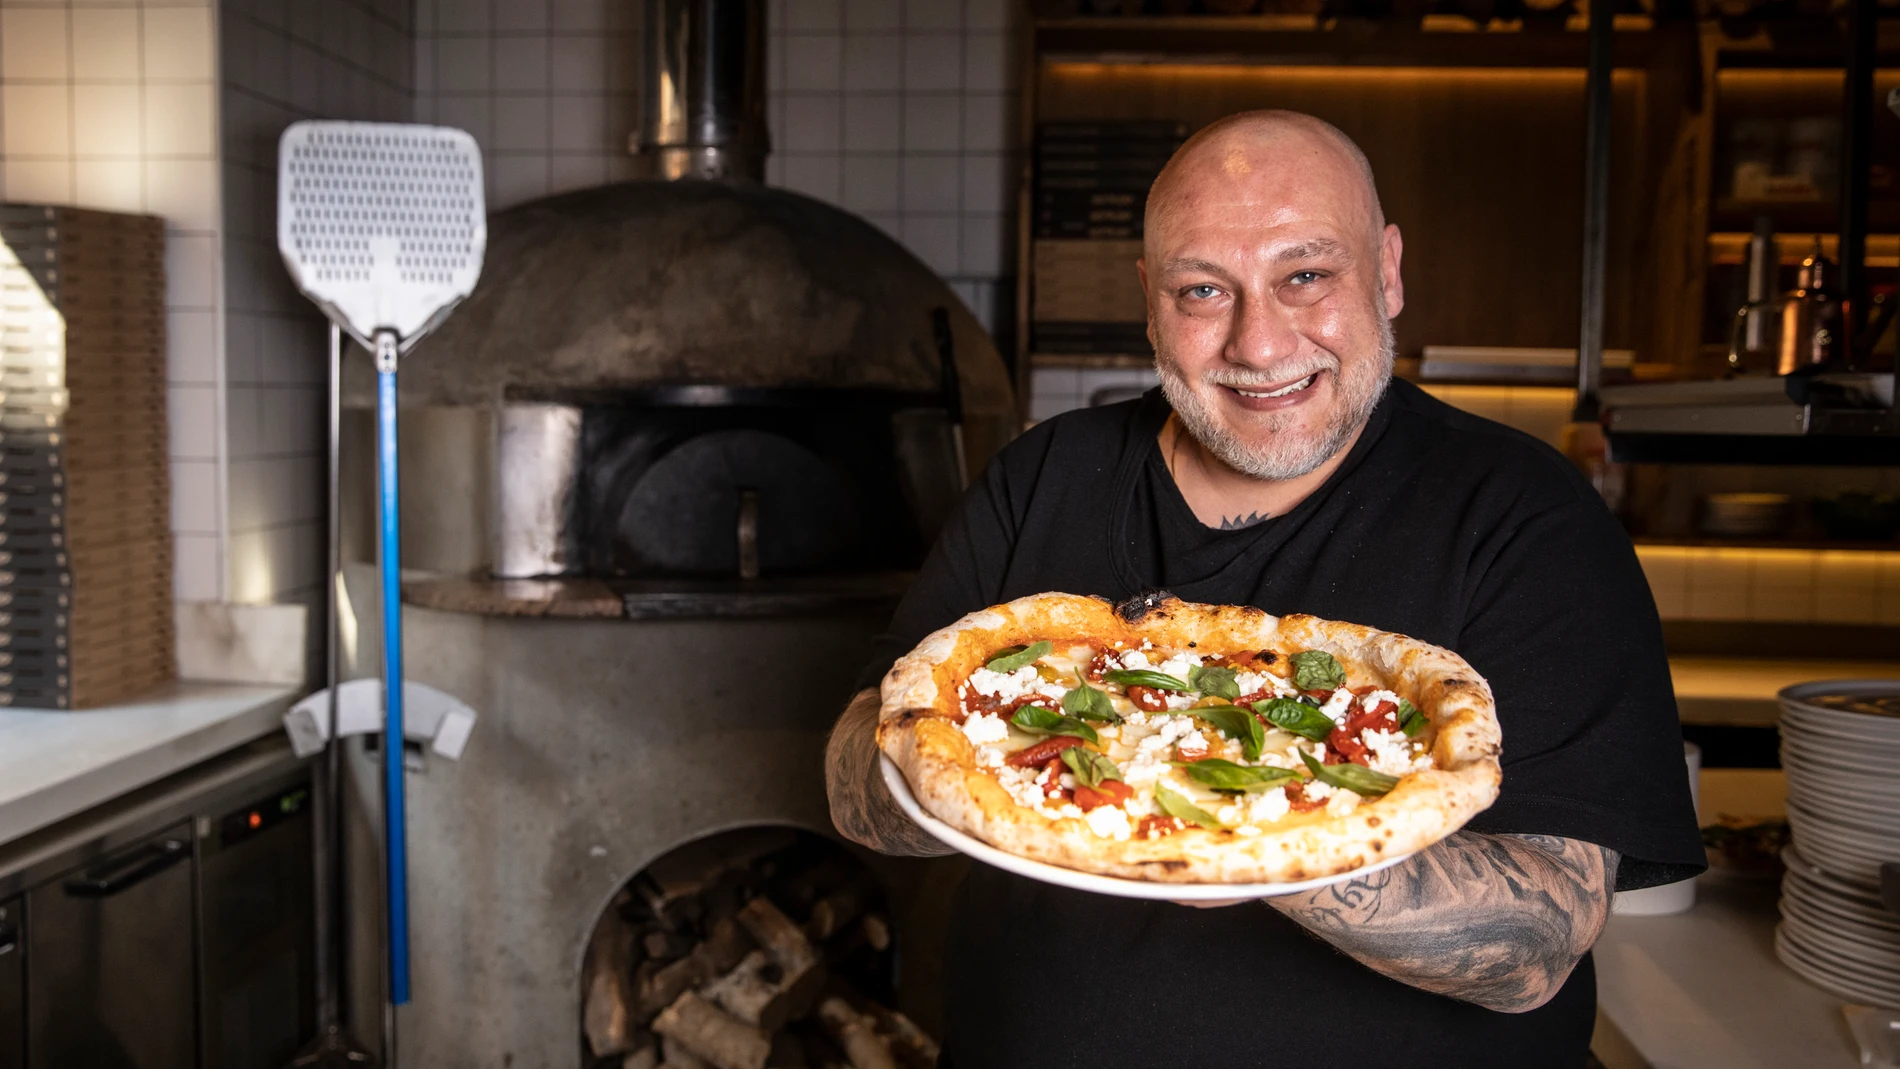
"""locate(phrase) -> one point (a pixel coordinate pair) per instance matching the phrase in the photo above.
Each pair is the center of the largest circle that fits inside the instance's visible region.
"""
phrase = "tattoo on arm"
(861, 806)
(1499, 920)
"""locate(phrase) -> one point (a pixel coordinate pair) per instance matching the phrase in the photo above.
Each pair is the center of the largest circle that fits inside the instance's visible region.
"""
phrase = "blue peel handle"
(395, 842)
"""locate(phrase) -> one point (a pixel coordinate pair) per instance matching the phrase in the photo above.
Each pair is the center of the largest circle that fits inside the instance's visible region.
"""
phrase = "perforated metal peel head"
(381, 224)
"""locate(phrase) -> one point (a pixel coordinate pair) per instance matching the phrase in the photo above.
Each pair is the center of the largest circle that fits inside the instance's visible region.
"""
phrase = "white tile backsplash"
(36, 121)
(111, 185)
(873, 124)
(177, 43)
(933, 64)
(813, 63)
(874, 64)
(105, 44)
(33, 43)
(933, 124)
(107, 121)
(180, 120)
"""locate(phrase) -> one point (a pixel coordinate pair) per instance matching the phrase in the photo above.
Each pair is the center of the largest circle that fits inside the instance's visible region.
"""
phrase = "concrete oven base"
(602, 743)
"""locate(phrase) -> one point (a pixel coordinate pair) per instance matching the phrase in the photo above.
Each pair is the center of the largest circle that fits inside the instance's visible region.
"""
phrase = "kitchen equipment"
(1746, 515)
(169, 928)
(1841, 752)
(383, 226)
(1810, 316)
(1750, 347)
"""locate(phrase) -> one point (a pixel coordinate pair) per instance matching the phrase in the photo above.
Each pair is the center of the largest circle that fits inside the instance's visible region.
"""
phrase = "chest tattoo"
(1235, 523)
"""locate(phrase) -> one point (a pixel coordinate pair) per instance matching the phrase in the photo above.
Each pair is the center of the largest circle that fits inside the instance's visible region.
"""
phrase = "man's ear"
(1391, 285)
(1147, 296)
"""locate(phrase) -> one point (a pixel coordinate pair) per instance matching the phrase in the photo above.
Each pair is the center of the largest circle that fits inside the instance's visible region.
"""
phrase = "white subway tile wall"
(285, 60)
(905, 112)
(548, 88)
(114, 106)
(901, 112)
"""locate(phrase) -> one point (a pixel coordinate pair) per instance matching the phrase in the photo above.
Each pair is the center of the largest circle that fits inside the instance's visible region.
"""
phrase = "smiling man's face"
(1271, 282)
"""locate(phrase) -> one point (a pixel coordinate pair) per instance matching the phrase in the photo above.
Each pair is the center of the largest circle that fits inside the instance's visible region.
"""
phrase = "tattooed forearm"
(861, 806)
(1499, 920)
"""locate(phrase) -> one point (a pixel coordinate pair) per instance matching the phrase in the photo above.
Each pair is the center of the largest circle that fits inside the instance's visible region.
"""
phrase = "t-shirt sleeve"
(1562, 625)
(964, 570)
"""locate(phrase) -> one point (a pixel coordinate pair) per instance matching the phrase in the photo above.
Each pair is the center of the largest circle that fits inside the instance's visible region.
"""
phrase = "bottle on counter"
(1810, 316)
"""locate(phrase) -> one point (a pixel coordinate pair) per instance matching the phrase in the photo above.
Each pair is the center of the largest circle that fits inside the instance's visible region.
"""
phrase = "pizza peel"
(383, 226)
(1077, 880)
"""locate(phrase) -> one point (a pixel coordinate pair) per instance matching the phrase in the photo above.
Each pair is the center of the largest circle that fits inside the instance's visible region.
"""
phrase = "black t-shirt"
(1438, 525)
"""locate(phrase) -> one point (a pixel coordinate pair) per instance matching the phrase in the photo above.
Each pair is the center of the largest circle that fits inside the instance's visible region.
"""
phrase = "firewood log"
(760, 991)
(678, 1057)
(647, 1057)
(775, 932)
(713, 1034)
(831, 913)
(857, 1034)
(606, 1012)
(724, 946)
(877, 931)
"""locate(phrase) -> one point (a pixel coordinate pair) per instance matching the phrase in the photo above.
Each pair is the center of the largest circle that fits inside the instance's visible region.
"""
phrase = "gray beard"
(1277, 459)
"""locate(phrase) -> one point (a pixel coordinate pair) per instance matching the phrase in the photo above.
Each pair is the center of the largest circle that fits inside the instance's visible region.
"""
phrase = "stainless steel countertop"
(56, 764)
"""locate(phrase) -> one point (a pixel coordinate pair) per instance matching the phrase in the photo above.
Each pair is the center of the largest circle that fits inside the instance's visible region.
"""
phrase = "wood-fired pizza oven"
(664, 474)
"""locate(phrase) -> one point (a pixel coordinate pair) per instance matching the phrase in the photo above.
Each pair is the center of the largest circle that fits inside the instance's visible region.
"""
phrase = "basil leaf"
(1356, 778)
(1317, 670)
(1297, 717)
(1411, 721)
(1146, 677)
(1039, 721)
(1235, 723)
(1087, 703)
(1176, 806)
(1227, 776)
(1214, 682)
(1017, 656)
(1090, 768)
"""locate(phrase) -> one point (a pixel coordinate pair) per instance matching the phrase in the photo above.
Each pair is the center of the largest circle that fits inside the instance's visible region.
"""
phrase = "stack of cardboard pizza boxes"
(85, 533)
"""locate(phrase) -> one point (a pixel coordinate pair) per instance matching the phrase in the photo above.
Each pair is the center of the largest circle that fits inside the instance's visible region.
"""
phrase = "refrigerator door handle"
(129, 871)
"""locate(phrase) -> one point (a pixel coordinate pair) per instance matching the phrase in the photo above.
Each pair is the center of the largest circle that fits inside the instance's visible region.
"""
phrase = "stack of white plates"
(1840, 747)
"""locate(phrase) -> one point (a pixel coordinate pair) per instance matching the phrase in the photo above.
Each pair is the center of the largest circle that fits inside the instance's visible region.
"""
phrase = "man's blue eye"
(1202, 292)
(1305, 278)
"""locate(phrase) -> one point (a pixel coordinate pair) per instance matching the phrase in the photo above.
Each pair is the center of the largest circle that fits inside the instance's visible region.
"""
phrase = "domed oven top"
(642, 284)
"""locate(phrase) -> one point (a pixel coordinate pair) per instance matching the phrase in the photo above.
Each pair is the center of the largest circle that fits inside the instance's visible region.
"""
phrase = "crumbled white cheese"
(1042, 777)
(1068, 780)
(1341, 803)
(1147, 766)
(1390, 752)
(1005, 686)
(1257, 682)
(1230, 814)
(1147, 645)
(985, 730)
(1179, 665)
(1267, 806)
(1192, 741)
(1177, 700)
(1109, 822)
(1021, 785)
(1138, 718)
(1337, 705)
(1050, 690)
(1248, 830)
(1371, 701)
(1319, 792)
(989, 757)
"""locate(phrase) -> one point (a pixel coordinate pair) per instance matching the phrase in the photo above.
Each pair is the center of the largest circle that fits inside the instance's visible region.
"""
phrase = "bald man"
(1281, 466)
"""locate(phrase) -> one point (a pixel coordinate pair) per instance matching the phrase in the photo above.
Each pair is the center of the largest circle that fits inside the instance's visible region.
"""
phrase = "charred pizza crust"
(919, 716)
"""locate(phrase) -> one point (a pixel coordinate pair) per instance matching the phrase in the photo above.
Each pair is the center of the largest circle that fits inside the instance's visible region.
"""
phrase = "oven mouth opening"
(757, 946)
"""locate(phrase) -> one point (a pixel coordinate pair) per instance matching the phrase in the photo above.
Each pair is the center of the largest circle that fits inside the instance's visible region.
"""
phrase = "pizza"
(1185, 743)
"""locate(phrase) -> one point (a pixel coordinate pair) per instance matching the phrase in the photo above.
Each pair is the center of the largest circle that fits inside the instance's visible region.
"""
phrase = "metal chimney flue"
(702, 112)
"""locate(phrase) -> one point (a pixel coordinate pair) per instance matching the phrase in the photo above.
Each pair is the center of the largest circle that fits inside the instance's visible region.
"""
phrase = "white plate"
(1088, 881)
(1848, 985)
(1805, 868)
